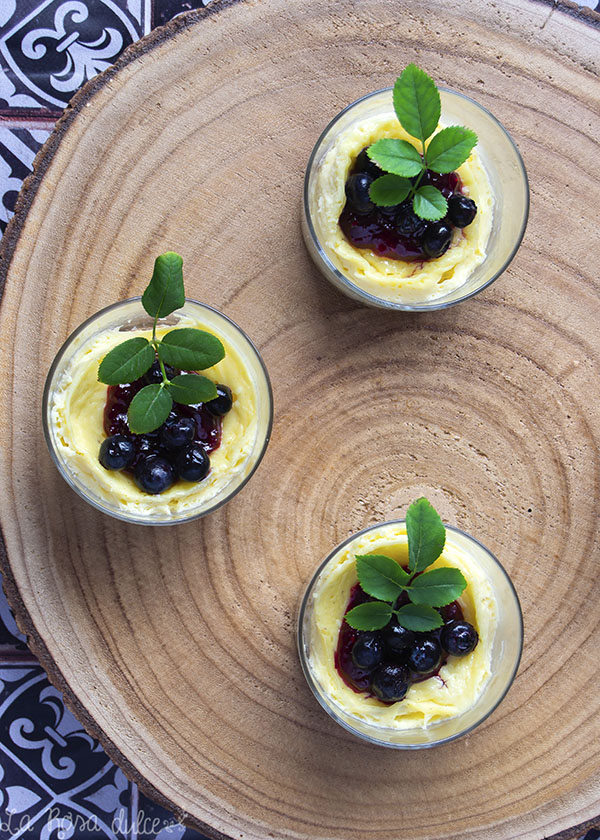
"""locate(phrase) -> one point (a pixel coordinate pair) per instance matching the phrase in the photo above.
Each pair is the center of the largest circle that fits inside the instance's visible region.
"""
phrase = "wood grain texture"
(177, 647)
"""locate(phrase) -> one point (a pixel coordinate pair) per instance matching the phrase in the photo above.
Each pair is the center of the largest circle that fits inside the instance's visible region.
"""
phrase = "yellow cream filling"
(76, 412)
(461, 680)
(395, 280)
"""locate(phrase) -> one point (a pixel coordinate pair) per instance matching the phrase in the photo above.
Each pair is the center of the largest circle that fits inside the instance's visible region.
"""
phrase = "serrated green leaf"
(450, 148)
(126, 362)
(149, 409)
(380, 576)
(418, 618)
(430, 204)
(389, 190)
(191, 389)
(396, 156)
(426, 535)
(437, 587)
(417, 102)
(165, 291)
(191, 349)
(370, 616)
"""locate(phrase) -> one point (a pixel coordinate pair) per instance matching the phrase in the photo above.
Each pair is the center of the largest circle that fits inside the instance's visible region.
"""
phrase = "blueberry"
(461, 210)
(147, 444)
(391, 210)
(154, 375)
(451, 612)
(436, 239)
(192, 463)
(367, 652)
(398, 640)
(116, 452)
(407, 221)
(154, 474)
(357, 193)
(425, 655)
(459, 638)
(363, 164)
(177, 432)
(222, 402)
(390, 683)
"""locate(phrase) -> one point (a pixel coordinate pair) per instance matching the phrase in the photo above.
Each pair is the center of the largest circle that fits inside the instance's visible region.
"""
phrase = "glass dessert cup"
(77, 462)
(503, 647)
(505, 171)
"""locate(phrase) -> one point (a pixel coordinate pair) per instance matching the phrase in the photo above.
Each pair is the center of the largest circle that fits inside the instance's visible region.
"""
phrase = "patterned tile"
(55, 779)
(164, 10)
(18, 148)
(12, 641)
(154, 823)
(49, 48)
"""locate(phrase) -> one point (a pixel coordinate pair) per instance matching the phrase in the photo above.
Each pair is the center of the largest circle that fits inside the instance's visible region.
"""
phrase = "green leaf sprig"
(184, 348)
(418, 108)
(384, 579)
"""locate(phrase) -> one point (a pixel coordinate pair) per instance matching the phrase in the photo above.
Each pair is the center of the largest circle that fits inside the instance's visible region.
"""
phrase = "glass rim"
(381, 303)
(319, 694)
(136, 519)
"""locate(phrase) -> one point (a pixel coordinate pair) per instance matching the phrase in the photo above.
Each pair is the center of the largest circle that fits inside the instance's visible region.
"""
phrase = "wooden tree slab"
(177, 646)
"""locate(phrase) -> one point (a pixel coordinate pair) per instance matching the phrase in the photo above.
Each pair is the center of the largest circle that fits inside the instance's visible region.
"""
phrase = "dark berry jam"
(394, 233)
(118, 398)
(377, 231)
(359, 680)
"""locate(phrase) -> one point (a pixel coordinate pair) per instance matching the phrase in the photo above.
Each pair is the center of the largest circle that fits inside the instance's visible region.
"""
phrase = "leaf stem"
(164, 372)
(415, 186)
(155, 342)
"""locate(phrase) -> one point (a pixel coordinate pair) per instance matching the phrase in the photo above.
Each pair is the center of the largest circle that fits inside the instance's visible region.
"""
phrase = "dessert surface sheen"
(395, 280)
(76, 421)
(460, 681)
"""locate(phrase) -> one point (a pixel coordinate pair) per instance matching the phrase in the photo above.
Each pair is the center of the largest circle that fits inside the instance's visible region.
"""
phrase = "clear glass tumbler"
(505, 646)
(116, 494)
(501, 161)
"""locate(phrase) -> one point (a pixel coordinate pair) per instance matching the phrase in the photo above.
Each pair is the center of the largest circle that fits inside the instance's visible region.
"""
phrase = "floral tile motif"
(55, 779)
(49, 48)
(18, 148)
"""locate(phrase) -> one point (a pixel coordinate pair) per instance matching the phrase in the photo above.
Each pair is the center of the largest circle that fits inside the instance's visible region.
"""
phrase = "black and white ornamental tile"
(54, 776)
(12, 641)
(18, 148)
(55, 779)
(49, 48)
(154, 823)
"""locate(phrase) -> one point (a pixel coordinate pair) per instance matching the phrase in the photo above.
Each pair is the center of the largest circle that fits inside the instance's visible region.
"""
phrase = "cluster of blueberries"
(396, 232)
(172, 452)
(396, 657)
